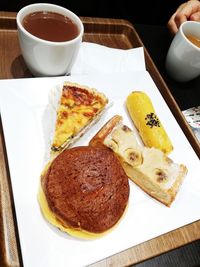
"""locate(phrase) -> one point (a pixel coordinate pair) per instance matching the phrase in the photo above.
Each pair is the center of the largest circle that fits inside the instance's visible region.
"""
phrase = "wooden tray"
(113, 33)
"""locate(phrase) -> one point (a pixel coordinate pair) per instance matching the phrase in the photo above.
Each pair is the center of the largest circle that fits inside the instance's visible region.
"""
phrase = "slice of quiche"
(79, 107)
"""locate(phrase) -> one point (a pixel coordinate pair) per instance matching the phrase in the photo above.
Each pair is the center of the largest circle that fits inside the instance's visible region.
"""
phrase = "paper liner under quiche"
(149, 168)
(84, 191)
(78, 108)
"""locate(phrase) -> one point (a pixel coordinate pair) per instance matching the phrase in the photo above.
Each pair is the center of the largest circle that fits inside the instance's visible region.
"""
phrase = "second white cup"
(183, 57)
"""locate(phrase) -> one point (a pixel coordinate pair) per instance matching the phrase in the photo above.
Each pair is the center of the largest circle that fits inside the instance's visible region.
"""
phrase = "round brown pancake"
(86, 188)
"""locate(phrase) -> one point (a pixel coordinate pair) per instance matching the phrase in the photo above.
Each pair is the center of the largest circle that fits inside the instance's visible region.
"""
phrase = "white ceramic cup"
(183, 57)
(46, 58)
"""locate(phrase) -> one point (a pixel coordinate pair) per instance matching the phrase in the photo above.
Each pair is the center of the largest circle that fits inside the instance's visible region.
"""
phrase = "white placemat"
(94, 58)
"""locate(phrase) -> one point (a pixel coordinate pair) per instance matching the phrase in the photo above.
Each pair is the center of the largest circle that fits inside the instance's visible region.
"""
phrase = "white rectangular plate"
(28, 116)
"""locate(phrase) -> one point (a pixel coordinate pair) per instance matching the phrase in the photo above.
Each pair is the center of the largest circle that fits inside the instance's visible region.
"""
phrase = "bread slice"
(149, 168)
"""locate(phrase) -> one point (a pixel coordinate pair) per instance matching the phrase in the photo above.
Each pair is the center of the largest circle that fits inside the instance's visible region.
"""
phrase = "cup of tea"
(50, 37)
(183, 57)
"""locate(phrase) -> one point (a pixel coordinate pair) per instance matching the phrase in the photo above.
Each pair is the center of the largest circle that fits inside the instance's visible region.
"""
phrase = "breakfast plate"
(28, 115)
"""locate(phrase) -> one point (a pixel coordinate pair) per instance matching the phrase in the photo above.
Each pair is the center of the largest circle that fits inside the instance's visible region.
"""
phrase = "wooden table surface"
(113, 33)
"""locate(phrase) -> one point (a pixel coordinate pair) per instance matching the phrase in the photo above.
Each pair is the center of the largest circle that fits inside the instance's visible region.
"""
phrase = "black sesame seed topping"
(152, 120)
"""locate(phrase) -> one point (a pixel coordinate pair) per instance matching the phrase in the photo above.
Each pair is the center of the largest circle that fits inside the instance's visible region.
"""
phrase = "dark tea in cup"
(50, 26)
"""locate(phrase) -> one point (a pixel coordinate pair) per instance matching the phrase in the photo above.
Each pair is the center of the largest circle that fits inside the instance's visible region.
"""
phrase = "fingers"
(172, 27)
(195, 16)
(176, 19)
(187, 11)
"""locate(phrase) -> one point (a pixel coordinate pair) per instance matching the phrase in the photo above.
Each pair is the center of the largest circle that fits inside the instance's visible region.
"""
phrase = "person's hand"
(187, 11)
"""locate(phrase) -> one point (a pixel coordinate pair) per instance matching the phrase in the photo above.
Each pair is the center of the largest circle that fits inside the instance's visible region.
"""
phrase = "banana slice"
(123, 142)
(133, 156)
